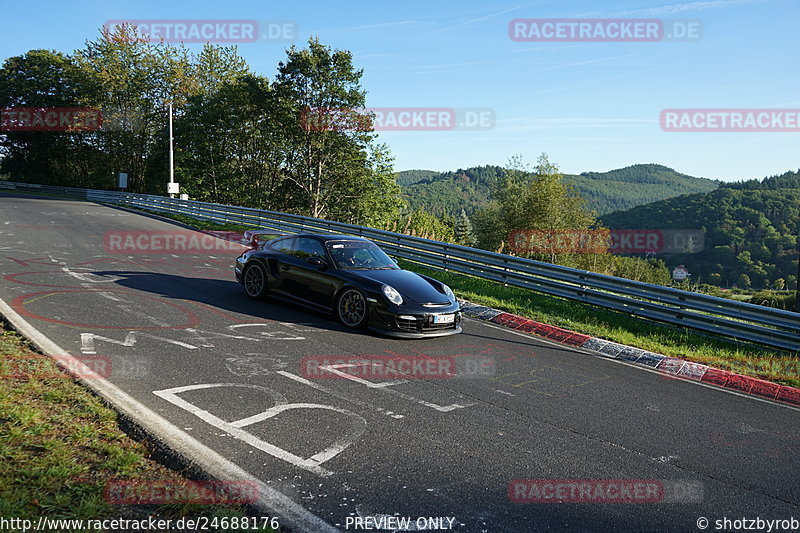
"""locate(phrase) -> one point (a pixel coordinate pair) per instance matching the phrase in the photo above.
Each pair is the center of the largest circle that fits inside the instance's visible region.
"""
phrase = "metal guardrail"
(719, 316)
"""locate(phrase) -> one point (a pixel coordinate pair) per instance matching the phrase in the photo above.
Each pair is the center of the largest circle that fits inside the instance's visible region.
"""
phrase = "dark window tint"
(305, 248)
(284, 246)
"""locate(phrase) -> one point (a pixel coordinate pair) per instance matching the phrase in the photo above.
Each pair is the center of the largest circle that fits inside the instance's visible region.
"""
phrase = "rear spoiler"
(256, 237)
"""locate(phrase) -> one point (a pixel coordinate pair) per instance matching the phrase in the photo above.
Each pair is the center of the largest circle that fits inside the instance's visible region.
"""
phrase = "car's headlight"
(448, 292)
(392, 295)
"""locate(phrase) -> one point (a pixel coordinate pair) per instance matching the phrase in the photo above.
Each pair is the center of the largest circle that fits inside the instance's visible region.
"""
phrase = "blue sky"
(590, 106)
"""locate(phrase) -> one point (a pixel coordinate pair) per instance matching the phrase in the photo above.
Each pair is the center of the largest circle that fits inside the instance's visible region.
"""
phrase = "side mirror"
(316, 261)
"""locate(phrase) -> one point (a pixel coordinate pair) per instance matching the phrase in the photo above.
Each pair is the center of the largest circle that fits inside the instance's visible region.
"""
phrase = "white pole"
(171, 155)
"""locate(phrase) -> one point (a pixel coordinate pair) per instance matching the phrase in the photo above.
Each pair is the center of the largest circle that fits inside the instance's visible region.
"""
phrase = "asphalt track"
(181, 337)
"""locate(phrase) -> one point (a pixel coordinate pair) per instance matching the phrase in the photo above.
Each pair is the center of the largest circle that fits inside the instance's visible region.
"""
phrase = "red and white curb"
(671, 366)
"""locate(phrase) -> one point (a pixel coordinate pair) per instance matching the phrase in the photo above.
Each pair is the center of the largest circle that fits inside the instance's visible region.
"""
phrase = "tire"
(351, 308)
(254, 281)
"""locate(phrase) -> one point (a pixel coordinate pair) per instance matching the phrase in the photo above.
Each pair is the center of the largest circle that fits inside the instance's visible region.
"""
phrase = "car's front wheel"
(351, 308)
(254, 280)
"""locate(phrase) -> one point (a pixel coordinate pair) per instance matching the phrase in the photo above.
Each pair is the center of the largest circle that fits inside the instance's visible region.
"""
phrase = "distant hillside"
(446, 193)
(787, 180)
(635, 185)
(410, 177)
(751, 230)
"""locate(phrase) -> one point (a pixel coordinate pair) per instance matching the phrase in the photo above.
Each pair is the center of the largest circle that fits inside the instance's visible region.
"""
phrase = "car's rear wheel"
(351, 308)
(254, 280)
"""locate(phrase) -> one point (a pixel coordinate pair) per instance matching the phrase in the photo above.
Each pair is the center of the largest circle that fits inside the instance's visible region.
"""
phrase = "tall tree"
(463, 232)
(136, 80)
(323, 162)
(46, 79)
(538, 199)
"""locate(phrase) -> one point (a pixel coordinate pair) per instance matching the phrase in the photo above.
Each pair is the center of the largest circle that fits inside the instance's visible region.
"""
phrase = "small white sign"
(173, 188)
(123, 180)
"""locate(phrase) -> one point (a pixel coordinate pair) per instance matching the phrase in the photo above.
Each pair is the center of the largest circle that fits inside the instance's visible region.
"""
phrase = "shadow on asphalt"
(226, 296)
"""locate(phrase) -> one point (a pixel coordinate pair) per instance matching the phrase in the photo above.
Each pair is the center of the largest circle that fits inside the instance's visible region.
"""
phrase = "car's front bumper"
(415, 325)
(409, 335)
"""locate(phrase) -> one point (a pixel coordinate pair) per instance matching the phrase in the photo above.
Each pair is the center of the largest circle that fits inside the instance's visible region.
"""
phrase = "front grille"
(404, 324)
(424, 324)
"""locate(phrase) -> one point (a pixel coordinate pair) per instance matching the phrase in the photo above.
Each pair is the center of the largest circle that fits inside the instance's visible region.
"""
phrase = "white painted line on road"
(269, 501)
(312, 464)
(88, 341)
(326, 390)
(384, 386)
(370, 384)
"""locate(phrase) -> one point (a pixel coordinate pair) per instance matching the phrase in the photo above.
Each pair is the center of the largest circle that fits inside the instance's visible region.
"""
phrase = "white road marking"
(89, 277)
(384, 386)
(370, 384)
(326, 390)
(272, 335)
(312, 464)
(88, 341)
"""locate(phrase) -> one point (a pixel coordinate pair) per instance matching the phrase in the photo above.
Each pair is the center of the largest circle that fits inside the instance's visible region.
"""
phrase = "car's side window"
(284, 246)
(305, 248)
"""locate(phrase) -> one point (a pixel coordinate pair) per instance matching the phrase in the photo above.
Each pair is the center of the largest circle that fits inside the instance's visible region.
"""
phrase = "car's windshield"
(358, 254)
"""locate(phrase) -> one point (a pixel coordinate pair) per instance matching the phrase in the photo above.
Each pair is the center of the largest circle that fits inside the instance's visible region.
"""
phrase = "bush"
(780, 300)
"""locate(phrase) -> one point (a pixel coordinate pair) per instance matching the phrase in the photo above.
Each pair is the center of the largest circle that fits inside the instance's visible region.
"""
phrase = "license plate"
(443, 319)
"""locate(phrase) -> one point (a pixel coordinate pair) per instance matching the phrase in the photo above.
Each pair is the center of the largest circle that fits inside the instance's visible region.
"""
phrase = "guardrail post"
(446, 256)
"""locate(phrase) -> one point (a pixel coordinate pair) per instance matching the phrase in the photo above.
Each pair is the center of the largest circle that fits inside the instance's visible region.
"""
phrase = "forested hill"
(751, 230)
(446, 193)
(787, 180)
(635, 185)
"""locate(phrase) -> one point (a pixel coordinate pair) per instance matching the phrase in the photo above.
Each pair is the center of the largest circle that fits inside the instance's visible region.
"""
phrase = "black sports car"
(353, 278)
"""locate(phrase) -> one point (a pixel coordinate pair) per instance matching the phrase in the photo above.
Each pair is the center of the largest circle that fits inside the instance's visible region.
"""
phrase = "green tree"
(46, 79)
(532, 200)
(372, 197)
(779, 284)
(322, 163)
(229, 147)
(743, 282)
(134, 80)
(463, 232)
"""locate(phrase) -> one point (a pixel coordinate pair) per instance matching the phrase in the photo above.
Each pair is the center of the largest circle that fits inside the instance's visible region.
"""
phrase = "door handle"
(284, 267)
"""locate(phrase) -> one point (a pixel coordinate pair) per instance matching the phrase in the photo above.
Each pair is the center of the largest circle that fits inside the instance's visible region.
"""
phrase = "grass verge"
(60, 446)
(749, 359)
